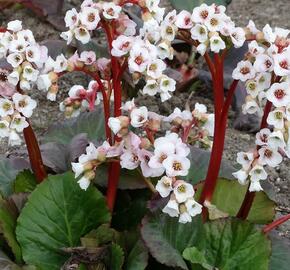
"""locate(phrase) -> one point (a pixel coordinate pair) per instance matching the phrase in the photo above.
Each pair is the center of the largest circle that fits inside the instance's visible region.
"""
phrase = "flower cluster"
(266, 75)
(14, 112)
(165, 157)
(210, 28)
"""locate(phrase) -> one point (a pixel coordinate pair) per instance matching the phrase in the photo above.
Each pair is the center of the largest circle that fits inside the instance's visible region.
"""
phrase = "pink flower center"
(279, 93)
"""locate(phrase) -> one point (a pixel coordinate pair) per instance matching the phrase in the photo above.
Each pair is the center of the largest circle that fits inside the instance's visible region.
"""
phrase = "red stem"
(34, 154)
(276, 223)
(114, 169)
(250, 196)
(221, 113)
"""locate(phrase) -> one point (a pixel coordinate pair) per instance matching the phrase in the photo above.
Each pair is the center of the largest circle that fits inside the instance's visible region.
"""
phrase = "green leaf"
(138, 257)
(25, 182)
(8, 173)
(229, 244)
(58, 213)
(191, 4)
(129, 179)
(199, 160)
(166, 238)
(7, 228)
(116, 257)
(229, 195)
(196, 257)
(280, 258)
(91, 123)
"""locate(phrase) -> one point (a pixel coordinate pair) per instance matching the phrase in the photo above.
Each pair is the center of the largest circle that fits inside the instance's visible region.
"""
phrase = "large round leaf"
(9, 168)
(230, 244)
(56, 215)
(191, 4)
(91, 123)
(229, 195)
(166, 238)
(280, 258)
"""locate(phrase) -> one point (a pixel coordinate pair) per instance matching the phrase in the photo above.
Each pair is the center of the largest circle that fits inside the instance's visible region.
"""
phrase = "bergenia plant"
(132, 196)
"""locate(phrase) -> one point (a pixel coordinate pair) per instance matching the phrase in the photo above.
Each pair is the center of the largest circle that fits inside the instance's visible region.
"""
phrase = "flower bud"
(90, 175)
(145, 143)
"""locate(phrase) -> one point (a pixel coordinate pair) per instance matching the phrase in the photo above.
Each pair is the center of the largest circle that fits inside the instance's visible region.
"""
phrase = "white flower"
(25, 85)
(242, 176)
(202, 13)
(139, 59)
(165, 51)
(18, 46)
(188, 210)
(44, 82)
(238, 37)
(250, 107)
(252, 27)
(139, 116)
(6, 107)
(29, 73)
(156, 68)
(82, 34)
(14, 26)
(89, 18)
(276, 118)
(263, 80)
(15, 59)
(67, 36)
(19, 123)
(217, 44)
(263, 63)
(129, 160)
(33, 54)
(255, 49)
(84, 182)
(262, 137)
(114, 124)
(282, 63)
(252, 88)
(111, 11)
(88, 57)
(269, 35)
(183, 20)
(279, 94)
(176, 165)
(201, 48)
(164, 186)
(71, 18)
(24, 104)
(258, 173)
(167, 84)
(171, 208)
(60, 64)
(168, 31)
(269, 156)
(14, 139)
(244, 71)
(121, 46)
(129, 105)
(78, 168)
(183, 191)
(4, 129)
(214, 22)
(209, 124)
(151, 88)
(245, 159)
(276, 140)
(199, 32)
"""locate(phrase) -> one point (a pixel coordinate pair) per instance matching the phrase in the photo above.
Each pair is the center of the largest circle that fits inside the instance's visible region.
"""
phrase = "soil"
(275, 13)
